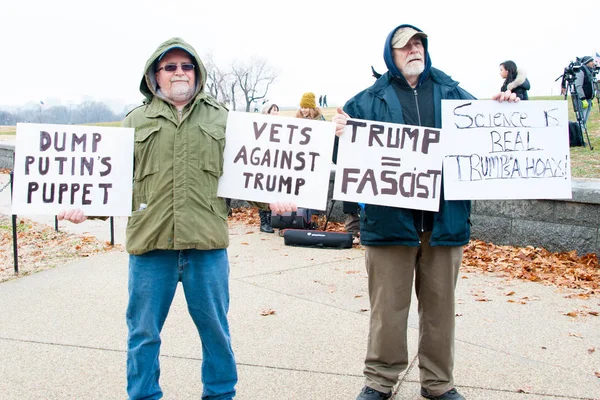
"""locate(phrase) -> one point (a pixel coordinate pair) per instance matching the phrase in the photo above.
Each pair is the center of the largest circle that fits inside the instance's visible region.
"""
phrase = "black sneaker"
(451, 394)
(371, 394)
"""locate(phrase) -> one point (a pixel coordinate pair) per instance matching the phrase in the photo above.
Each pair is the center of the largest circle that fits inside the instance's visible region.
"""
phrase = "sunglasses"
(186, 67)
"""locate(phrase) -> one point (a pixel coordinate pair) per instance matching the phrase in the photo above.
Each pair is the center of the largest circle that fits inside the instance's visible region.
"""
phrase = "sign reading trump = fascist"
(389, 164)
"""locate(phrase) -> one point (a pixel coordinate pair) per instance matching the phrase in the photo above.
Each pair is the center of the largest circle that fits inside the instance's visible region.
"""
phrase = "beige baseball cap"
(403, 35)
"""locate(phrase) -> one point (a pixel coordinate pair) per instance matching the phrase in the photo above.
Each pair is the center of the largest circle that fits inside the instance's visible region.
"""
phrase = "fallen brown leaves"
(40, 247)
(566, 270)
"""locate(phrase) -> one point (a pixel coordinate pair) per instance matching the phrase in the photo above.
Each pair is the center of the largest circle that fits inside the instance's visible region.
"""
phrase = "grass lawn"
(585, 163)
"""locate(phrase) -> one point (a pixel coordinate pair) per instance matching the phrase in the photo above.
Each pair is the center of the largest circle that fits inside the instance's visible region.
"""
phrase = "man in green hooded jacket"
(178, 228)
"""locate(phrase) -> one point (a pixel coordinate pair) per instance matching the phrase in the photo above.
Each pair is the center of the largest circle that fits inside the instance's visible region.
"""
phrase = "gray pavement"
(63, 332)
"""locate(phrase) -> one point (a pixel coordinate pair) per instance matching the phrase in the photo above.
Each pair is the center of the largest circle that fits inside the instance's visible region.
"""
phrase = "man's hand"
(74, 215)
(506, 96)
(280, 208)
(340, 119)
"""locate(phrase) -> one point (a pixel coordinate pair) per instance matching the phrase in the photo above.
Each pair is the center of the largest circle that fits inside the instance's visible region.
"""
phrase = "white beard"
(414, 68)
(180, 91)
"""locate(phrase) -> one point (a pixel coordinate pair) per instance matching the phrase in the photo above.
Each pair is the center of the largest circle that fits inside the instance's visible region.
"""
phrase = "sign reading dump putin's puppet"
(506, 150)
(277, 159)
(389, 164)
(61, 167)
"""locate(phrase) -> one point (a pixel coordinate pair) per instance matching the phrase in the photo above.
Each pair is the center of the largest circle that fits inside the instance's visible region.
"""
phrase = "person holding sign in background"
(402, 242)
(265, 215)
(515, 80)
(178, 230)
(308, 108)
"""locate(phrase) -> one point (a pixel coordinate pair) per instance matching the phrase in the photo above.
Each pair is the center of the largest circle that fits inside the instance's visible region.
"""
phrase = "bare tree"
(218, 82)
(253, 78)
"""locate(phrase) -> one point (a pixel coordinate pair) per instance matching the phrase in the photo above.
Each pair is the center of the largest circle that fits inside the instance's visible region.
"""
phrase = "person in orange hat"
(308, 108)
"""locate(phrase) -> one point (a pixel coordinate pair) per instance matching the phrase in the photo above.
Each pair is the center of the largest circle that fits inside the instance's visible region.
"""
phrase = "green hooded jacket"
(177, 164)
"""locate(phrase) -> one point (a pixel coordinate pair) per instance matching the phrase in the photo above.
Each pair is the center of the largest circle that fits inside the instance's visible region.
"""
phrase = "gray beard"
(414, 69)
(179, 92)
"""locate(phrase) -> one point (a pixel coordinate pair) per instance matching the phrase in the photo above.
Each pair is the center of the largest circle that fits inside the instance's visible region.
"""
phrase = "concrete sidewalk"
(63, 332)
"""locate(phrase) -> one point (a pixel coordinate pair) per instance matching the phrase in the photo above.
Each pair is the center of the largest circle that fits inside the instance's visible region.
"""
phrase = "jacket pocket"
(210, 150)
(146, 152)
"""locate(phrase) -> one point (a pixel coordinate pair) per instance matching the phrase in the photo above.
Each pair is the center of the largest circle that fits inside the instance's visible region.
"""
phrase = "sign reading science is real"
(60, 167)
(501, 151)
(277, 159)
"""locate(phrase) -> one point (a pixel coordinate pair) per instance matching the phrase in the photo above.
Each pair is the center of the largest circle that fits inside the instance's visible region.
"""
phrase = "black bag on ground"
(300, 219)
(575, 135)
(311, 238)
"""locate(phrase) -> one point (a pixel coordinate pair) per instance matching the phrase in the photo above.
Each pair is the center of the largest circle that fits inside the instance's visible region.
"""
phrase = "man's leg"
(153, 278)
(206, 286)
(390, 270)
(586, 112)
(435, 283)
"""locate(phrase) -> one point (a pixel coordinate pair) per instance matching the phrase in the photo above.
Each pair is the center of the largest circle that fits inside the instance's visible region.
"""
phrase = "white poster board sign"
(60, 167)
(277, 159)
(506, 150)
(389, 164)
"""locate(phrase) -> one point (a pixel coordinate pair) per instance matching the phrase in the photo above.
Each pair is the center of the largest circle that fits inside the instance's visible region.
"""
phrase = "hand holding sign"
(75, 215)
(340, 120)
(281, 208)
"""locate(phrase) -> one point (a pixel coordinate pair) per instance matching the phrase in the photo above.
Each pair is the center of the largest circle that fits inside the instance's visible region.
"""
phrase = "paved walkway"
(63, 333)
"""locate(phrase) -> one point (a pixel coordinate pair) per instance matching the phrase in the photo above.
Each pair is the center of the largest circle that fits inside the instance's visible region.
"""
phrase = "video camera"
(571, 70)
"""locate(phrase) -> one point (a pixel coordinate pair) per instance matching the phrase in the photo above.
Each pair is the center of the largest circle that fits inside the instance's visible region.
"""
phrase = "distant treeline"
(84, 113)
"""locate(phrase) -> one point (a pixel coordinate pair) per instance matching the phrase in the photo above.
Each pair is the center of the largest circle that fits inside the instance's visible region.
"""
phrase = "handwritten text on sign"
(277, 159)
(389, 164)
(506, 150)
(59, 167)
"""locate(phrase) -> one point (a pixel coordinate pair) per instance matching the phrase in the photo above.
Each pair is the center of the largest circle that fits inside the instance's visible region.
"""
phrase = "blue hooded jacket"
(382, 225)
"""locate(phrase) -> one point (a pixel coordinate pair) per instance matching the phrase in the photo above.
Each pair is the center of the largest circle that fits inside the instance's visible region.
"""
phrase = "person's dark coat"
(520, 85)
(382, 225)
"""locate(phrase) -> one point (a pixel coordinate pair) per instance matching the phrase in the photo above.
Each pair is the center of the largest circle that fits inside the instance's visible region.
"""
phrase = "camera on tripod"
(571, 70)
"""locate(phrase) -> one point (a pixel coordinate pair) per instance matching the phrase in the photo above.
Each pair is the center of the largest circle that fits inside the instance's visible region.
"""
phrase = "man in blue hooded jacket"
(402, 244)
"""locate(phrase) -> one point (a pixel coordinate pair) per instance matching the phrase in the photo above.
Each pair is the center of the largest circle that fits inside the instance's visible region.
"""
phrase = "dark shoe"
(371, 394)
(451, 394)
(265, 221)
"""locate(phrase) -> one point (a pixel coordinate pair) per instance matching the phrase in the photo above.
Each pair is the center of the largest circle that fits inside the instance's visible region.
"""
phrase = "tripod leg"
(579, 113)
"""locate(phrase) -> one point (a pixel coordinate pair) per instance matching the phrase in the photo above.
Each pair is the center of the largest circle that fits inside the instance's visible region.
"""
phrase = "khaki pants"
(391, 270)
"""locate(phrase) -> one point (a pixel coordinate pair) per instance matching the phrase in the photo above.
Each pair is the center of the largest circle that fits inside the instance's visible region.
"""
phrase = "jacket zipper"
(422, 227)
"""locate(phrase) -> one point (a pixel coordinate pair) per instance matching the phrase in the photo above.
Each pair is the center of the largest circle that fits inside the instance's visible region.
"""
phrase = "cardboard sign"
(277, 159)
(389, 164)
(60, 167)
(506, 150)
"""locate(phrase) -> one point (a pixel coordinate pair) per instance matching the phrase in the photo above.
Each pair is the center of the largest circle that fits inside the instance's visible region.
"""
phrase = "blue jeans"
(153, 279)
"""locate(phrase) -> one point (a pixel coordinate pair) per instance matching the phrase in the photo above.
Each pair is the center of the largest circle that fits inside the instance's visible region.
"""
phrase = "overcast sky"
(70, 51)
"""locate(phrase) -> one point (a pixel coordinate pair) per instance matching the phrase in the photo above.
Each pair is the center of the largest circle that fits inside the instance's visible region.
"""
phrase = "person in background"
(585, 86)
(178, 230)
(515, 79)
(325, 101)
(321, 101)
(308, 108)
(402, 244)
(265, 215)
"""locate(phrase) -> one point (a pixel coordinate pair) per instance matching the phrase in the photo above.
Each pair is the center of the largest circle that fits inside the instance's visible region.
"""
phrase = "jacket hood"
(148, 86)
(389, 59)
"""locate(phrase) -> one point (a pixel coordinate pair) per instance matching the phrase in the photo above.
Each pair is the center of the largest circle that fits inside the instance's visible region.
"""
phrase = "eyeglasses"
(185, 67)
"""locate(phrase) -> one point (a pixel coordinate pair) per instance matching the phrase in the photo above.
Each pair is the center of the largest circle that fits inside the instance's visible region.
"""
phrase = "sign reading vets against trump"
(277, 159)
(60, 167)
(389, 164)
(506, 150)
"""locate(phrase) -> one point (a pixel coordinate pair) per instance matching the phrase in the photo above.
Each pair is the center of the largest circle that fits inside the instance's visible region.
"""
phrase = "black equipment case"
(312, 238)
